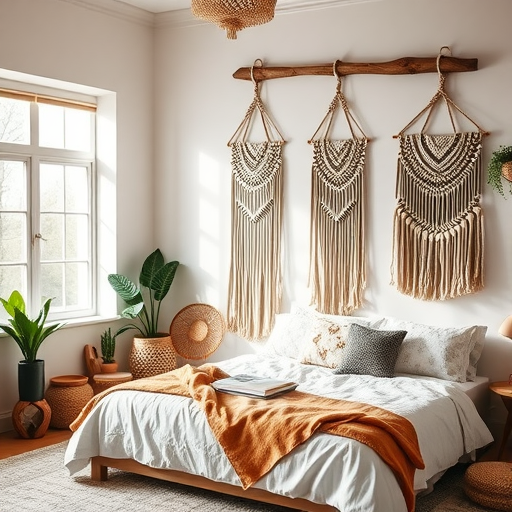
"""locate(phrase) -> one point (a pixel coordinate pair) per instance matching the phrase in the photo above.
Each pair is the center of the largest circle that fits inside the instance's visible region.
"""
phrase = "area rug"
(38, 481)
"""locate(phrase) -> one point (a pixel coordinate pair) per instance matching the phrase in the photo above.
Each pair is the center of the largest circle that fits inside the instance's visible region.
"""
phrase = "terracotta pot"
(109, 367)
(151, 356)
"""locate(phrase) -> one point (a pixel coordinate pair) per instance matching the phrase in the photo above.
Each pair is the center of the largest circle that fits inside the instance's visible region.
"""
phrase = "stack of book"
(254, 386)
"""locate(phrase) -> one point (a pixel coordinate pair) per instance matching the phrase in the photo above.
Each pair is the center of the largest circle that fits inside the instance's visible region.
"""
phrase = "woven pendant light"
(234, 15)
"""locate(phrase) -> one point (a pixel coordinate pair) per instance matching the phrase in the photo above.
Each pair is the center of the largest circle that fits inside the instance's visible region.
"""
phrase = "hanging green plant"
(500, 166)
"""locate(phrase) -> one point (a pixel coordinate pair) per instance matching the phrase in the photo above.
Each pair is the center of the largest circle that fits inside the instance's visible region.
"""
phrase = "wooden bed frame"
(99, 472)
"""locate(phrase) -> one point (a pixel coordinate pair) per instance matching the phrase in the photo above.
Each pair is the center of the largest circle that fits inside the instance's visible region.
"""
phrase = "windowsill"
(77, 322)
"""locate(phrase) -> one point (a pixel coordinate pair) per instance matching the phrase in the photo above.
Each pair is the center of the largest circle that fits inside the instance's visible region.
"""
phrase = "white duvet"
(166, 431)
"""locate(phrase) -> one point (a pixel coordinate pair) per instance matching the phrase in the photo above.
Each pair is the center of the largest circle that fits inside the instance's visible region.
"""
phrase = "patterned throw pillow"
(325, 343)
(371, 352)
(448, 353)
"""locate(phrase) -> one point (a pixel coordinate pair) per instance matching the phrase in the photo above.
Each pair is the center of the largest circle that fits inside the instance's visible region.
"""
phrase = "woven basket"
(234, 15)
(67, 395)
(506, 171)
(151, 356)
(197, 331)
(490, 484)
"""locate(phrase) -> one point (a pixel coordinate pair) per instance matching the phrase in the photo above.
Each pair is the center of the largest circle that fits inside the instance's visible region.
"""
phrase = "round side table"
(67, 395)
(504, 389)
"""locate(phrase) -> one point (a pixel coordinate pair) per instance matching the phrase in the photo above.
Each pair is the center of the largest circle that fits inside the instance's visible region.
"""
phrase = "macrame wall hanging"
(438, 222)
(337, 274)
(255, 280)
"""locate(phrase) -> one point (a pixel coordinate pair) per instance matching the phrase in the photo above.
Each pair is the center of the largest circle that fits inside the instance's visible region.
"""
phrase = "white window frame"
(102, 184)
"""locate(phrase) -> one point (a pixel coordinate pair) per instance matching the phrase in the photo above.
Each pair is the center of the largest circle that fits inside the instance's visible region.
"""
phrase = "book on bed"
(254, 386)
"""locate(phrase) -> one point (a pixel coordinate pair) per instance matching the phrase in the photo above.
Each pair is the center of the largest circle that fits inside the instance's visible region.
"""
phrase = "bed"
(168, 437)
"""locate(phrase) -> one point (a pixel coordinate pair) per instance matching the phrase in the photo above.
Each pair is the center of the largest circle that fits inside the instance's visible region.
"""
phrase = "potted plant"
(108, 349)
(29, 335)
(500, 166)
(152, 351)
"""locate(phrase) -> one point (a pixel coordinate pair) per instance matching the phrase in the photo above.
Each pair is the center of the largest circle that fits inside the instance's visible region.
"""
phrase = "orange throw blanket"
(255, 434)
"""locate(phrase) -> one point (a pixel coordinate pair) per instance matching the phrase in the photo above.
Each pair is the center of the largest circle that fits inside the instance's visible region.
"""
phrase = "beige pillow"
(325, 343)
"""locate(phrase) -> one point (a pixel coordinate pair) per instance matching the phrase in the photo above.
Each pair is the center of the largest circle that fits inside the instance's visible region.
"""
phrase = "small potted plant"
(108, 349)
(500, 166)
(29, 335)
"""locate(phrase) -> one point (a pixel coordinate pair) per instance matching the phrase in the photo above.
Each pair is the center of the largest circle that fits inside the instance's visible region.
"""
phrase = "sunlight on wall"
(107, 205)
(209, 225)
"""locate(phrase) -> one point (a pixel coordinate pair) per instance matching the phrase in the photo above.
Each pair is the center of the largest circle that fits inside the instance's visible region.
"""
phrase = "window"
(47, 202)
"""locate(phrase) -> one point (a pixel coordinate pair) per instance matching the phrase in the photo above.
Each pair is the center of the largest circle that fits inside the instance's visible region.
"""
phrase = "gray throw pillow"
(371, 351)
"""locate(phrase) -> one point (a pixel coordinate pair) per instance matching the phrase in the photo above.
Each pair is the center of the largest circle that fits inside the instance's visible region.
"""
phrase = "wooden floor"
(11, 444)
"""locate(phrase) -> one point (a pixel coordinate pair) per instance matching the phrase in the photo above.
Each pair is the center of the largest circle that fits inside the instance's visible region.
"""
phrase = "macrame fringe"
(337, 266)
(255, 286)
(438, 232)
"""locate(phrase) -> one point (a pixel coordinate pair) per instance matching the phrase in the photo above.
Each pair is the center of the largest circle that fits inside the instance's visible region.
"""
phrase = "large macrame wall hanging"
(255, 279)
(438, 233)
(337, 274)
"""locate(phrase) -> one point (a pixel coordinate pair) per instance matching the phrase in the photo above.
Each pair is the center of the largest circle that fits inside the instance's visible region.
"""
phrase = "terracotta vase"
(31, 419)
(151, 356)
(109, 367)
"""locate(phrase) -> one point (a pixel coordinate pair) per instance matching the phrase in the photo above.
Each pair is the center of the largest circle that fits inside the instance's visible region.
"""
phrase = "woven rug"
(38, 481)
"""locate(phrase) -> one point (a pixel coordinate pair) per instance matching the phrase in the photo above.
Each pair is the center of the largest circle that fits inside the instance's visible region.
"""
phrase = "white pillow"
(477, 341)
(287, 336)
(373, 322)
(441, 352)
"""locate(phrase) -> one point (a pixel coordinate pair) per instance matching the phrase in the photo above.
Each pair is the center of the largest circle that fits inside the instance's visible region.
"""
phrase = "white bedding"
(171, 432)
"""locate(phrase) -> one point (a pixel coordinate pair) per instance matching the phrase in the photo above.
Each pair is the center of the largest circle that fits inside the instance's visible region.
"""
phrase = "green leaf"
(164, 279)
(133, 311)
(126, 289)
(153, 263)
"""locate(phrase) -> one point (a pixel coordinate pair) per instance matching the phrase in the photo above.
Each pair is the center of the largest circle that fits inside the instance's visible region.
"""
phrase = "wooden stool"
(67, 395)
(490, 484)
(101, 381)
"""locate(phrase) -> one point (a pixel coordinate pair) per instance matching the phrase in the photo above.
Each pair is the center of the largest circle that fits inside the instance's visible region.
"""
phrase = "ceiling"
(158, 6)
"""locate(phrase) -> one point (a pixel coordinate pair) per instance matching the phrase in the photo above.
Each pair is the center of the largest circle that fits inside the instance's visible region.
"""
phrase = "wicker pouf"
(490, 484)
(66, 396)
(151, 356)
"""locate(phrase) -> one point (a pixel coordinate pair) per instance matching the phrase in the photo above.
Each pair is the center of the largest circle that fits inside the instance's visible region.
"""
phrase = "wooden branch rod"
(402, 66)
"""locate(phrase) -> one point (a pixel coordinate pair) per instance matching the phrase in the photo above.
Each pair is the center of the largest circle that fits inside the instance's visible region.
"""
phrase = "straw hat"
(196, 331)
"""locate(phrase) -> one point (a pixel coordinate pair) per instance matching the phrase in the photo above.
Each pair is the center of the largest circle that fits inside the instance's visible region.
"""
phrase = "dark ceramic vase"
(31, 380)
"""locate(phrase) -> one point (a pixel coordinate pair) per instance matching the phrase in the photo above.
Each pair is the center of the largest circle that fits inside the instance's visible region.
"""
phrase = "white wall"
(200, 105)
(173, 169)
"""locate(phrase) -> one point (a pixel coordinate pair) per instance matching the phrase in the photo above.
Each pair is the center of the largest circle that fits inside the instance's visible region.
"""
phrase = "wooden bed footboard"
(99, 472)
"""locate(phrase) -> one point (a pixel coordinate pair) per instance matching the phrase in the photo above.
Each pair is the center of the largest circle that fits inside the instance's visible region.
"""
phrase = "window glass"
(14, 121)
(64, 128)
(46, 197)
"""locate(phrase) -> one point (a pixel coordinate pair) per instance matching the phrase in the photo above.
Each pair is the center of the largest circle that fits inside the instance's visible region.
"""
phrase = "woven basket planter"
(151, 356)
(490, 484)
(506, 171)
